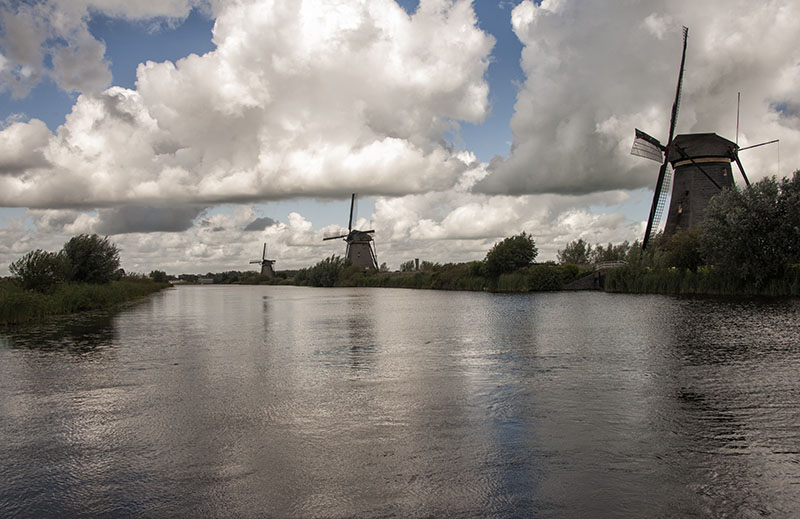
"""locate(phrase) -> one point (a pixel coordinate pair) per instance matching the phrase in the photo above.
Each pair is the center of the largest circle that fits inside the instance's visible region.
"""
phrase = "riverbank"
(704, 281)
(451, 276)
(19, 306)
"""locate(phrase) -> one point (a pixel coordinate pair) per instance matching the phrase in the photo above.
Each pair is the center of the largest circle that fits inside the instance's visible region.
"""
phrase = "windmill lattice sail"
(648, 147)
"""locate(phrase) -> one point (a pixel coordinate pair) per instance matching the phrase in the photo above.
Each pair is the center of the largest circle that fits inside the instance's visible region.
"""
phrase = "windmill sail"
(648, 147)
(664, 166)
(663, 197)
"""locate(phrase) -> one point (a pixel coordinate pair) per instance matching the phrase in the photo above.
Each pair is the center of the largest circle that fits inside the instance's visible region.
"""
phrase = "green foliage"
(350, 275)
(40, 270)
(158, 276)
(753, 233)
(407, 266)
(92, 259)
(511, 254)
(326, 272)
(429, 266)
(575, 252)
(384, 267)
(612, 252)
(19, 306)
(682, 250)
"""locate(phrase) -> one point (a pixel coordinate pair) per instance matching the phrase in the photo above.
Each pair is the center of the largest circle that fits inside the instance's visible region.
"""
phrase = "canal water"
(230, 401)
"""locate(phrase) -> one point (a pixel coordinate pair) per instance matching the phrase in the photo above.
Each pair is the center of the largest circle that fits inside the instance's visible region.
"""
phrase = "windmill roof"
(700, 145)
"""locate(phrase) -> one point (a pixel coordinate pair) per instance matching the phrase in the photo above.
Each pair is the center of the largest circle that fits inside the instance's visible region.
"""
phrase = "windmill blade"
(672, 123)
(335, 237)
(660, 195)
(264, 252)
(255, 261)
(761, 144)
(647, 146)
(741, 168)
(676, 105)
(352, 205)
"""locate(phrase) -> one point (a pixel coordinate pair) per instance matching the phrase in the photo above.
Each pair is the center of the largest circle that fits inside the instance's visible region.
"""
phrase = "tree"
(575, 252)
(384, 267)
(159, 276)
(407, 266)
(682, 250)
(92, 259)
(40, 270)
(610, 253)
(511, 254)
(753, 233)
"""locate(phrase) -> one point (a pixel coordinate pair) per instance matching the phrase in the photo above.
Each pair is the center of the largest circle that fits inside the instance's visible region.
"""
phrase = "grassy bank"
(706, 280)
(461, 276)
(21, 306)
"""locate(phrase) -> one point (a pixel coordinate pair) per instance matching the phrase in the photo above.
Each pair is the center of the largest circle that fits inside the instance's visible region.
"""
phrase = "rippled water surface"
(301, 402)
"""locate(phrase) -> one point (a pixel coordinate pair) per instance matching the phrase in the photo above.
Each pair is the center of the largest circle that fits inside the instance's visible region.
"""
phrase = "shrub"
(92, 259)
(40, 270)
(511, 254)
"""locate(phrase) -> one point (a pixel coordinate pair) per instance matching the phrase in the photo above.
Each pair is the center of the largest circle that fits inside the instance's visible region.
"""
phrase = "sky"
(193, 131)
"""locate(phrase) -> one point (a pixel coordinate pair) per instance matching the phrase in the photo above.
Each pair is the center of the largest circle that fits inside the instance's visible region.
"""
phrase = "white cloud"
(316, 98)
(595, 71)
(58, 30)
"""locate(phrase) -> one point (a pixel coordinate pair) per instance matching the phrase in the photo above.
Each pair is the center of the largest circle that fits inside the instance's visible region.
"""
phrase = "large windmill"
(359, 243)
(698, 165)
(266, 264)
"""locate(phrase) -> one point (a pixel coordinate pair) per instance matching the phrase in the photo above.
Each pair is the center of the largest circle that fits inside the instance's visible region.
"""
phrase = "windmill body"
(700, 169)
(267, 269)
(701, 165)
(360, 249)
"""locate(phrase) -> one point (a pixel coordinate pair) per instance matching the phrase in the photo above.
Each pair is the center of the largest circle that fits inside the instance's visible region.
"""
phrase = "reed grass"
(705, 281)
(21, 306)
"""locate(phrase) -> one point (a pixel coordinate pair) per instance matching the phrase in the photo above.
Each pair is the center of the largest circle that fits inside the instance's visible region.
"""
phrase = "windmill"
(266, 264)
(698, 165)
(360, 250)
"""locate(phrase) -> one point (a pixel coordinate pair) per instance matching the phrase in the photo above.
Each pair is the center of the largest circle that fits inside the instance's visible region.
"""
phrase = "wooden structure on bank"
(360, 250)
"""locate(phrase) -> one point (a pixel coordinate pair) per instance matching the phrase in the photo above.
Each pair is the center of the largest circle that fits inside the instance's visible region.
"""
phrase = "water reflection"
(79, 334)
(249, 401)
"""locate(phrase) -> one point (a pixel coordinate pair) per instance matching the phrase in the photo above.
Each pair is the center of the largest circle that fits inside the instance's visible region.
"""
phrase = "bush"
(92, 259)
(326, 272)
(40, 270)
(159, 276)
(511, 254)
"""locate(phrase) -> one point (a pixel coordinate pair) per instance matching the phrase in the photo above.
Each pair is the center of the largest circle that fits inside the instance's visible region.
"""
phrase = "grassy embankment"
(21, 306)
(705, 281)
(458, 276)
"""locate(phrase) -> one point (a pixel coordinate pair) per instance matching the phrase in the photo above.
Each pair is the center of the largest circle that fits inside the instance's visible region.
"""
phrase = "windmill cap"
(701, 146)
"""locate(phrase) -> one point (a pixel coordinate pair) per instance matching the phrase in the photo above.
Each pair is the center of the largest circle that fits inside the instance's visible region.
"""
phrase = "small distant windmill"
(266, 264)
(699, 162)
(360, 250)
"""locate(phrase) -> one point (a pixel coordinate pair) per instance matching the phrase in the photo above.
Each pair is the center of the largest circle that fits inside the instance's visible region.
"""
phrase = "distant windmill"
(701, 164)
(266, 264)
(359, 243)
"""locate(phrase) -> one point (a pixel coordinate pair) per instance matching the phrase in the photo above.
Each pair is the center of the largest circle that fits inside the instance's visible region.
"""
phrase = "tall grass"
(706, 280)
(20, 306)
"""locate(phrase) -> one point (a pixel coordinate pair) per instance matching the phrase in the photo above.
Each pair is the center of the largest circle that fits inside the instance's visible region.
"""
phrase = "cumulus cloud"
(52, 39)
(316, 98)
(259, 224)
(22, 147)
(596, 71)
